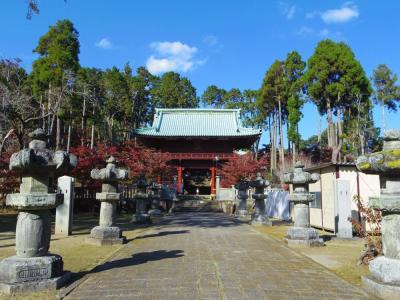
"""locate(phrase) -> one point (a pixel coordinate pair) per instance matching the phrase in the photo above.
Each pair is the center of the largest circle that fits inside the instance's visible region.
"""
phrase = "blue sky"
(226, 43)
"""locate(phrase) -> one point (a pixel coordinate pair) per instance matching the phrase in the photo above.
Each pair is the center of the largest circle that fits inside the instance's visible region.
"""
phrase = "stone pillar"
(384, 280)
(259, 217)
(179, 183)
(155, 200)
(107, 233)
(242, 195)
(33, 268)
(301, 234)
(212, 182)
(64, 212)
(141, 198)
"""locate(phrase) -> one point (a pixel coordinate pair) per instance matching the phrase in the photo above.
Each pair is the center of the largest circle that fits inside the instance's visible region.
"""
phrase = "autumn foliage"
(136, 159)
(240, 167)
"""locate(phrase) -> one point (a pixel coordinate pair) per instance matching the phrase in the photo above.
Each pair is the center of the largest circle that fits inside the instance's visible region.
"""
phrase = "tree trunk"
(383, 118)
(92, 138)
(336, 149)
(69, 137)
(281, 147)
(320, 129)
(331, 130)
(272, 143)
(83, 125)
(58, 134)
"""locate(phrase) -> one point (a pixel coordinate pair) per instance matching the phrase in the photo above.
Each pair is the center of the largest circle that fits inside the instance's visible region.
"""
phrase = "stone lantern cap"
(299, 177)
(156, 190)
(37, 165)
(243, 184)
(141, 185)
(386, 161)
(386, 164)
(259, 184)
(109, 174)
(38, 159)
(300, 180)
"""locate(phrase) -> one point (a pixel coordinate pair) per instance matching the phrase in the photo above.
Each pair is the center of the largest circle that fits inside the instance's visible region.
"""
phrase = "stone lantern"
(33, 268)
(301, 234)
(259, 197)
(385, 270)
(155, 200)
(141, 198)
(243, 187)
(107, 233)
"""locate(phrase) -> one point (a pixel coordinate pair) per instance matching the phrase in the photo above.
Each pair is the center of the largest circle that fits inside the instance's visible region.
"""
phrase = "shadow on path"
(138, 259)
(161, 233)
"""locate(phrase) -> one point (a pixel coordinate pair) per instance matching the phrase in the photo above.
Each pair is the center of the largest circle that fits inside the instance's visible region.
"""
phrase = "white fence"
(276, 204)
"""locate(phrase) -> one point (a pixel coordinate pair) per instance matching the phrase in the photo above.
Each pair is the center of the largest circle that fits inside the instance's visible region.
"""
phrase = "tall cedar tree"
(174, 91)
(54, 71)
(272, 104)
(294, 70)
(387, 92)
(335, 79)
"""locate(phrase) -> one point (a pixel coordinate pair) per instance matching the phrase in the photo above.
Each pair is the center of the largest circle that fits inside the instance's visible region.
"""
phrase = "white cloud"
(290, 13)
(172, 56)
(324, 32)
(304, 30)
(210, 40)
(104, 43)
(347, 12)
(287, 10)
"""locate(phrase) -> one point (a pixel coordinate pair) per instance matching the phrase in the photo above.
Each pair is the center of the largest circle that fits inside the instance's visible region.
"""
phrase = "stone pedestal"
(259, 217)
(141, 215)
(301, 234)
(142, 199)
(33, 268)
(384, 281)
(155, 201)
(107, 233)
(242, 195)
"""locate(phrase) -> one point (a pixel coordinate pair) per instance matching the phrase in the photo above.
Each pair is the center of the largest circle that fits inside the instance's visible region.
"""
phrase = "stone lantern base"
(303, 237)
(380, 289)
(384, 279)
(155, 212)
(141, 218)
(31, 274)
(261, 221)
(103, 236)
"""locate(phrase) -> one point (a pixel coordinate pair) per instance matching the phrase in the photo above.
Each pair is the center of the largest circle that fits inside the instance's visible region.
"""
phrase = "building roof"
(197, 123)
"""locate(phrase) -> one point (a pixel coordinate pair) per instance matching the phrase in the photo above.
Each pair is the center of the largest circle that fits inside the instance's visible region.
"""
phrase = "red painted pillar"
(179, 183)
(212, 180)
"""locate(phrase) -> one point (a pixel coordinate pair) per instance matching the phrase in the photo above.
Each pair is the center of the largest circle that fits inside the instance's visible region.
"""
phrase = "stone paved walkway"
(211, 256)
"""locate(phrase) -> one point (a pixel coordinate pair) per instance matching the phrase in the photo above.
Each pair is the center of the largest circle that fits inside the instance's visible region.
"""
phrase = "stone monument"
(64, 212)
(107, 233)
(141, 198)
(243, 187)
(259, 197)
(155, 200)
(33, 268)
(301, 234)
(385, 270)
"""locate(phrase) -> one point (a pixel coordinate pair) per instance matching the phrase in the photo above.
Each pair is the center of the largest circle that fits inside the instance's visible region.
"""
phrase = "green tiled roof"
(197, 123)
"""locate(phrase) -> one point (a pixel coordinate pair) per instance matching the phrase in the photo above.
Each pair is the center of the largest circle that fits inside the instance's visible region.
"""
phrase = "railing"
(207, 156)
